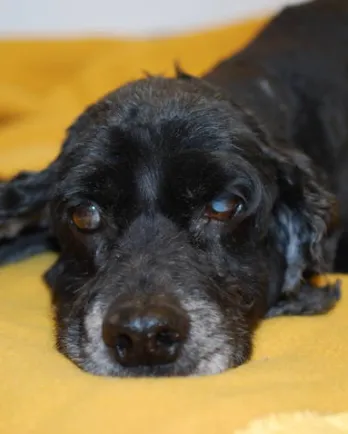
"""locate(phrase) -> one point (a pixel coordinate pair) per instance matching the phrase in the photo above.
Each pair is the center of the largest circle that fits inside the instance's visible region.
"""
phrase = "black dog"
(188, 209)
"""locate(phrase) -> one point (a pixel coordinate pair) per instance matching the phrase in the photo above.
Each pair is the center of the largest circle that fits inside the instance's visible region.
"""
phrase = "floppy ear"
(23, 214)
(304, 214)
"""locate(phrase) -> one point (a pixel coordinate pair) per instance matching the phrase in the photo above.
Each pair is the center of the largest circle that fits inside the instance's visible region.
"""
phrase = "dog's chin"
(208, 350)
(212, 366)
(99, 361)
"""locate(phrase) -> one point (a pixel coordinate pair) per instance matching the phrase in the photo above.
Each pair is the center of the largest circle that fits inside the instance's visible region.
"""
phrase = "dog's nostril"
(123, 345)
(167, 338)
(152, 336)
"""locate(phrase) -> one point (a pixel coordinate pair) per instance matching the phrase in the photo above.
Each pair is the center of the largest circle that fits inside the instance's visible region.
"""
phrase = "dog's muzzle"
(145, 334)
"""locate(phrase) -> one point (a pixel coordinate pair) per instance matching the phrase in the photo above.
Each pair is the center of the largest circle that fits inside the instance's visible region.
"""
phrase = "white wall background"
(124, 17)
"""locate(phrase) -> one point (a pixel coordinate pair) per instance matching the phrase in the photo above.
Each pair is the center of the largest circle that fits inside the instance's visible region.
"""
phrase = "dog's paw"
(309, 300)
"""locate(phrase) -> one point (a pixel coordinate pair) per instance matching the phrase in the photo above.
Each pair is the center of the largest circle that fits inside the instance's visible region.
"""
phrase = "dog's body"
(188, 209)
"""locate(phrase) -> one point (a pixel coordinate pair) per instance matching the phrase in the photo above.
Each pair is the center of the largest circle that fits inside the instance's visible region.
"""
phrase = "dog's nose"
(145, 336)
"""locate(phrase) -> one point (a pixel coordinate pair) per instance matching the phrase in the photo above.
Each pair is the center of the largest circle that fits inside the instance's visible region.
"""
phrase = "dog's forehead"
(150, 131)
(155, 101)
(161, 114)
(160, 92)
(142, 163)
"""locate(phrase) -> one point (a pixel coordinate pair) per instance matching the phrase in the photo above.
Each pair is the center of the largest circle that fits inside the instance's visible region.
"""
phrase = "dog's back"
(310, 39)
(294, 77)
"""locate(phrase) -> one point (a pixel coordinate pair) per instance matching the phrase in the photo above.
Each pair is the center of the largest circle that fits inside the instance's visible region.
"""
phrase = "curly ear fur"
(23, 216)
(305, 213)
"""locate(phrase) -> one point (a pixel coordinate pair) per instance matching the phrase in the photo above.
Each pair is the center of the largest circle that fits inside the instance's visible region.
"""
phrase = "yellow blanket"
(298, 364)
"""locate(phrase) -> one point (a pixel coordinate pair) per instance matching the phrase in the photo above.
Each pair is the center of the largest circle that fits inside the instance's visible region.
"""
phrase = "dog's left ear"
(304, 215)
(23, 211)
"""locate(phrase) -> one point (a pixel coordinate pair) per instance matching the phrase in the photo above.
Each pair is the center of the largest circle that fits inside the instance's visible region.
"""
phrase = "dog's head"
(179, 221)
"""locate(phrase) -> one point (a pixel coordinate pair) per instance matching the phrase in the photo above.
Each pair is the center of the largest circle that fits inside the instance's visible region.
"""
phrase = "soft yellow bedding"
(298, 364)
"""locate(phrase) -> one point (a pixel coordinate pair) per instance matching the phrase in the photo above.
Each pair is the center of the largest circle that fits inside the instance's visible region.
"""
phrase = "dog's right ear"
(305, 214)
(23, 206)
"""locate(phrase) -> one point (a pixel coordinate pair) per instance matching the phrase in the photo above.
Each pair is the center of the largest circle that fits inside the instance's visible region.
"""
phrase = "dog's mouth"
(206, 348)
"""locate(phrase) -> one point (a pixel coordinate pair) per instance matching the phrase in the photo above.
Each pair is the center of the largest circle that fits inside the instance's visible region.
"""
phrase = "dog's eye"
(223, 209)
(86, 217)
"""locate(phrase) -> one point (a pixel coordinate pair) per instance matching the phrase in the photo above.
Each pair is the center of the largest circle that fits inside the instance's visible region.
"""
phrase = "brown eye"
(86, 217)
(223, 209)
